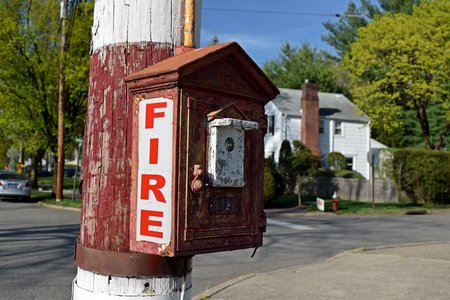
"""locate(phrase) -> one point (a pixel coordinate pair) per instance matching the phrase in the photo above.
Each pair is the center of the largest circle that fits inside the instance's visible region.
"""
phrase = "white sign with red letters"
(154, 191)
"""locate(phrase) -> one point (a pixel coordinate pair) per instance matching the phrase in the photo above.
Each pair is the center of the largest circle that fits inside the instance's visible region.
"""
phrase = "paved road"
(36, 246)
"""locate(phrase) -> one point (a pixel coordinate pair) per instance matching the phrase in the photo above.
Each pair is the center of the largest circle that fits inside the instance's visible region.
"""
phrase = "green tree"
(285, 165)
(342, 33)
(295, 64)
(305, 165)
(337, 161)
(401, 63)
(269, 185)
(214, 40)
(5, 144)
(29, 60)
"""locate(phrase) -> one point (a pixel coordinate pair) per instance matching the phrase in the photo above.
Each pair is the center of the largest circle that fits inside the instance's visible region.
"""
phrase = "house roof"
(376, 144)
(331, 106)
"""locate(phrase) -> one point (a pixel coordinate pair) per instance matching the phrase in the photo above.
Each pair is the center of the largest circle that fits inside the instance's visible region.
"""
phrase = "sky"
(262, 34)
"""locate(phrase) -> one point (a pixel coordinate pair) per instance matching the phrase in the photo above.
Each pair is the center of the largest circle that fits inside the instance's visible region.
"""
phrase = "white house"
(325, 122)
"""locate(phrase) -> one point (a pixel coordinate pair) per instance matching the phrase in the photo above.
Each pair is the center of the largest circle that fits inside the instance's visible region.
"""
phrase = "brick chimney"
(309, 106)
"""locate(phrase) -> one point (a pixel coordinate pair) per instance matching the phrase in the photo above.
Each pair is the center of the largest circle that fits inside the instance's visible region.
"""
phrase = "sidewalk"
(416, 271)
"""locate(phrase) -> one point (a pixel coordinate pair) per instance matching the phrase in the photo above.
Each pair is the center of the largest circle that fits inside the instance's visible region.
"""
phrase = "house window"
(349, 163)
(338, 128)
(321, 125)
(271, 125)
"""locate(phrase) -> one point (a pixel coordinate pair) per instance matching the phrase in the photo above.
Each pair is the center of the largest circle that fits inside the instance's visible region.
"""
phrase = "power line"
(273, 12)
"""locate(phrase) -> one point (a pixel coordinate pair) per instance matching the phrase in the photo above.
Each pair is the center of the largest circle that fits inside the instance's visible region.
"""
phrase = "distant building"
(325, 122)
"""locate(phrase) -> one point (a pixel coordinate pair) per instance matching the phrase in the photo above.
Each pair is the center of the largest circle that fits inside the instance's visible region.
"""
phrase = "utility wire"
(72, 13)
(281, 12)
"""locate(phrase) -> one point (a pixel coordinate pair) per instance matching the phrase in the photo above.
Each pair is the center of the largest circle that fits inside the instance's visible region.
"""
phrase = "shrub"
(423, 174)
(325, 173)
(273, 182)
(285, 166)
(269, 186)
(337, 161)
(349, 174)
(284, 201)
(305, 165)
(279, 183)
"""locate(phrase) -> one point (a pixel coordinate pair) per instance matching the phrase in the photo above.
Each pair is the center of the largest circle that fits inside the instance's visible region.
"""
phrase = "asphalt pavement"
(413, 271)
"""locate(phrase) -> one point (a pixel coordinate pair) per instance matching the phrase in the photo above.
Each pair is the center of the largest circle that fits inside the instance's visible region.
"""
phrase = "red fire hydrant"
(335, 202)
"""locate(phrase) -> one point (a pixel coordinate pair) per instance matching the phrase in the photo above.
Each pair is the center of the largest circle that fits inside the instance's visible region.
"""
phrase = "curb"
(358, 250)
(218, 288)
(59, 207)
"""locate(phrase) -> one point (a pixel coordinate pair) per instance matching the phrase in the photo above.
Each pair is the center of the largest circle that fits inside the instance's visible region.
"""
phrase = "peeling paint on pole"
(107, 150)
(127, 36)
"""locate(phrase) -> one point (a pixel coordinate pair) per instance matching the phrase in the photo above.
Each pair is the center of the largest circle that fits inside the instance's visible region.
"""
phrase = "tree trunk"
(35, 160)
(444, 134)
(299, 191)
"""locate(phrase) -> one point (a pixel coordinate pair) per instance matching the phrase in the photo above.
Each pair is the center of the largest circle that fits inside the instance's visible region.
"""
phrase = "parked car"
(70, 172)
(13, 185)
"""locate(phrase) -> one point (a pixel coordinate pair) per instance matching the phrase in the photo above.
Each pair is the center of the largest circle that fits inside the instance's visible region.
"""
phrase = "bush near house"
(273, 181)
(269, 185)
(337, 161)
(348, 174)
(423, 174)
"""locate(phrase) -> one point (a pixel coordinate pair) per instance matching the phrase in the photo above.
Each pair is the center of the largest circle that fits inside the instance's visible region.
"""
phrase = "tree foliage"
(285, 165)
(214, 40)
(401, 63)
(295, 64)
(305, 165)
(269, 185)
(29, 62)
(342, 33)
(273, 182)
(337, 161)
(28, 78)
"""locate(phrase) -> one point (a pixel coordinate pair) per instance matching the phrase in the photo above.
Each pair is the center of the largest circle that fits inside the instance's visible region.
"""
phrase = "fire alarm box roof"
(201, 66)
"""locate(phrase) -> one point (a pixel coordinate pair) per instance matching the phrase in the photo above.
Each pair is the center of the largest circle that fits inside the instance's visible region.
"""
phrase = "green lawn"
(66, 202)
(345, 207)
(49, 181)
(359, 208)
(47, 197)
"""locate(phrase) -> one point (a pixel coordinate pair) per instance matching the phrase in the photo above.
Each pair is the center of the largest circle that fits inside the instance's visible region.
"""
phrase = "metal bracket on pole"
(130, 264)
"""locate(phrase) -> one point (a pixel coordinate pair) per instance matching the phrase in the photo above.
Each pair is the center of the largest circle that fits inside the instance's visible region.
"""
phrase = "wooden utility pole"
(61, 100)
(127, 37)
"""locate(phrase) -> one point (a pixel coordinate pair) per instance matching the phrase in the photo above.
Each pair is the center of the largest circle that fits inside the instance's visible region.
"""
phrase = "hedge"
(423, 174)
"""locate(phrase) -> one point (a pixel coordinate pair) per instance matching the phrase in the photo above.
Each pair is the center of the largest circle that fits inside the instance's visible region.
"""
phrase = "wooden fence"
(383, 191)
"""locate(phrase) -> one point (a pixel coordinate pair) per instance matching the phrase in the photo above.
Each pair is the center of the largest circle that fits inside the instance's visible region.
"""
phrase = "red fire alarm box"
(198, 157)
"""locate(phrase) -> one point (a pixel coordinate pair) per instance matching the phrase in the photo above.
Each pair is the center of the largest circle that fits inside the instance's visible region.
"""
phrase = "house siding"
(285, 128)
(353, 143)
(273, 141)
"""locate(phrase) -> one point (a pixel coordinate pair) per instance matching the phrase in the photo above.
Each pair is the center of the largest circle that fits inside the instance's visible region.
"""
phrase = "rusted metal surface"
(216, 84)
(209, 69)
(107, 144)
(226, 151)
(130, 264)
